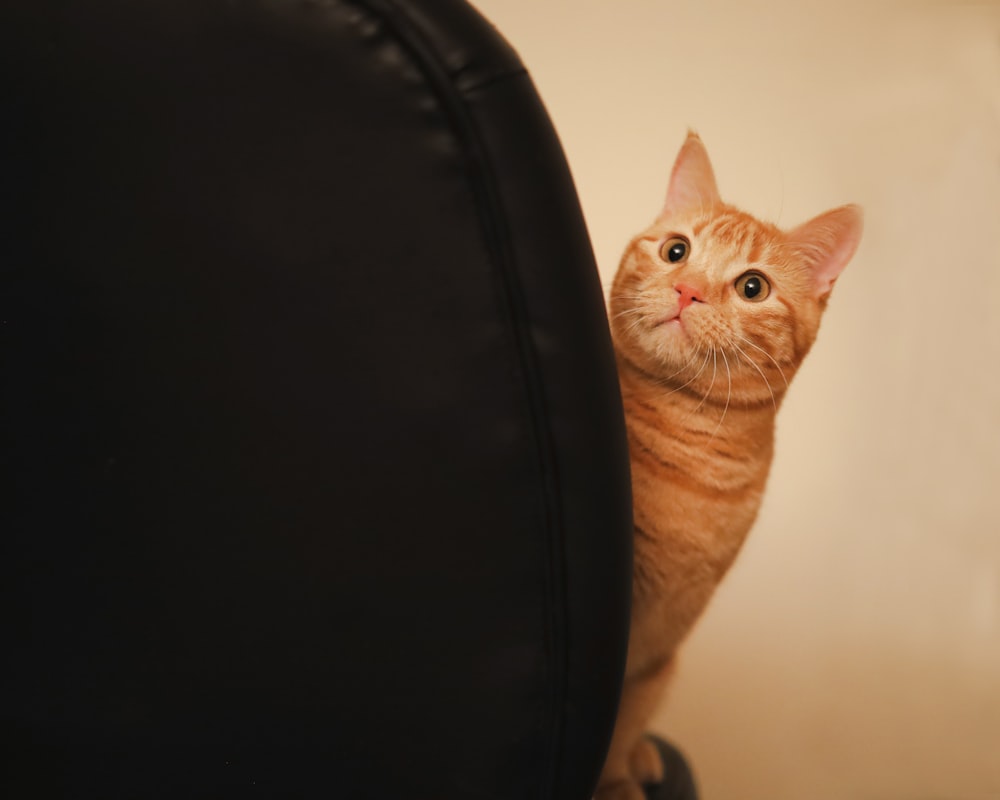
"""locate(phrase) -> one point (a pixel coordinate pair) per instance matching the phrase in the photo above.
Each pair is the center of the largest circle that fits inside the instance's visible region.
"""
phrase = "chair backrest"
(318, 483)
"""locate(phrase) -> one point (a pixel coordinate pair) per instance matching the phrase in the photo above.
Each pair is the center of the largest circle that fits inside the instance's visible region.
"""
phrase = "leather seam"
(493, 221)
(488, 80)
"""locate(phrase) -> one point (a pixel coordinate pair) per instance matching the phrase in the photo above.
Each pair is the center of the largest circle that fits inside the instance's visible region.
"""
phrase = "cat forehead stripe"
(699, 226)
(738, 230)
(731, 229)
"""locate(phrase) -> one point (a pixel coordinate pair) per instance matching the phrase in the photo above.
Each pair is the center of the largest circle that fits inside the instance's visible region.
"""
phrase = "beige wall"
(854, 651)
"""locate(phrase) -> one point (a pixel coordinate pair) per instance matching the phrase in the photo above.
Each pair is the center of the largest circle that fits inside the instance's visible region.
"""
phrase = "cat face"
(713, 301)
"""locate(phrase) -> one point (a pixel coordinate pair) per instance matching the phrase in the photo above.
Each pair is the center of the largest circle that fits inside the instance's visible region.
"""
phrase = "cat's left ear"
(826, 243)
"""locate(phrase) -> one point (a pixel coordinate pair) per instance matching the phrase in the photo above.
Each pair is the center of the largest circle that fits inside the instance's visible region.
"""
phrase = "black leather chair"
(316, 477)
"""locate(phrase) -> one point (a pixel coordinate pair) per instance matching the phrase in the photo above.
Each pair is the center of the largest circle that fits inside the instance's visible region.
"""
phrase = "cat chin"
(679, 338)
(667, 361)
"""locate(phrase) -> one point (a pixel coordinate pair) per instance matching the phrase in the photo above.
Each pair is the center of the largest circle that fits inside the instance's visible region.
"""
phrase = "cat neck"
(748, 425)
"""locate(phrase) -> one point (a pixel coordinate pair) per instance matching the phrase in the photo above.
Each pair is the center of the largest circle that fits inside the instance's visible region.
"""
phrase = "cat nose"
(688, 295)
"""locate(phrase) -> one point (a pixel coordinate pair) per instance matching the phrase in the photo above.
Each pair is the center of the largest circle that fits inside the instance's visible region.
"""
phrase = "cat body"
(712, 312)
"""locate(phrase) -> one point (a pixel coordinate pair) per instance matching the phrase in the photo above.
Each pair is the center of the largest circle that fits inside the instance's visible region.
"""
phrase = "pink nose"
(688, 295)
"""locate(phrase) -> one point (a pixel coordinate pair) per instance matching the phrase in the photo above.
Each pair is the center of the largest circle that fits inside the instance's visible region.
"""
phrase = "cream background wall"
(854, 651)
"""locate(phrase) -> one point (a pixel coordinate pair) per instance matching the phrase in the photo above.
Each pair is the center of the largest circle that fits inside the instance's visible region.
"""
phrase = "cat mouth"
(673, 325)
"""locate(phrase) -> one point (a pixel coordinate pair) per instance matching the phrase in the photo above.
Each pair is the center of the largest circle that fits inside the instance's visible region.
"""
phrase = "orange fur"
(701, 384)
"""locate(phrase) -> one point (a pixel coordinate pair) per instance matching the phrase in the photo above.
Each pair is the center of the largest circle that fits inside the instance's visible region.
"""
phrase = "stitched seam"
(493, 222)
(487, 80)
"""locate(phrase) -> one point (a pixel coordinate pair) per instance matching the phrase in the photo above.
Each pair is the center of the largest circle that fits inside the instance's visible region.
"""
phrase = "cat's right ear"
(692, 182)
(826, 243)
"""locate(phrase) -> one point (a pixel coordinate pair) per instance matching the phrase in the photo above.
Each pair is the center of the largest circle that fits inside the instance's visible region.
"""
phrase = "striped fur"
(701, 385)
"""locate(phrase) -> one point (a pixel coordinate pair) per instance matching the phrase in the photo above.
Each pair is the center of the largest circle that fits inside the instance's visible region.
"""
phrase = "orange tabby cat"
(712, 312)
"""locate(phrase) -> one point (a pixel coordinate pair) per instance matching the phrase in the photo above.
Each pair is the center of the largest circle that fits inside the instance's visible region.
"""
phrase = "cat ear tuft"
(826, 243)
(692, 182)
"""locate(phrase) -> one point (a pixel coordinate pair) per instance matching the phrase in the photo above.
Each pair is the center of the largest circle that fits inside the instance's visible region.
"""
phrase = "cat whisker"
(637, 296)
(638, 315)
(754, 364)
(630, 295)
(715, 368)
(777, 366)
(708, 355)
(665, 381)
(633, 325)
(729, 395)
(628, 312)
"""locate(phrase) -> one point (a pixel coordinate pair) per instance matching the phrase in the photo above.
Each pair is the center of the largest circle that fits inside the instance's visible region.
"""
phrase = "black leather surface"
(317, 481)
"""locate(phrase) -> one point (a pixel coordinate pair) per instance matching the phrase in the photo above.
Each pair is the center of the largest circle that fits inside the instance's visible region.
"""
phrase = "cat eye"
(753, 286)
(675, 249)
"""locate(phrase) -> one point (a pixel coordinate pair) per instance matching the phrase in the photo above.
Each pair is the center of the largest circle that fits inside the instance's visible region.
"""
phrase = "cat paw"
(620, 790)
(645, 763)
